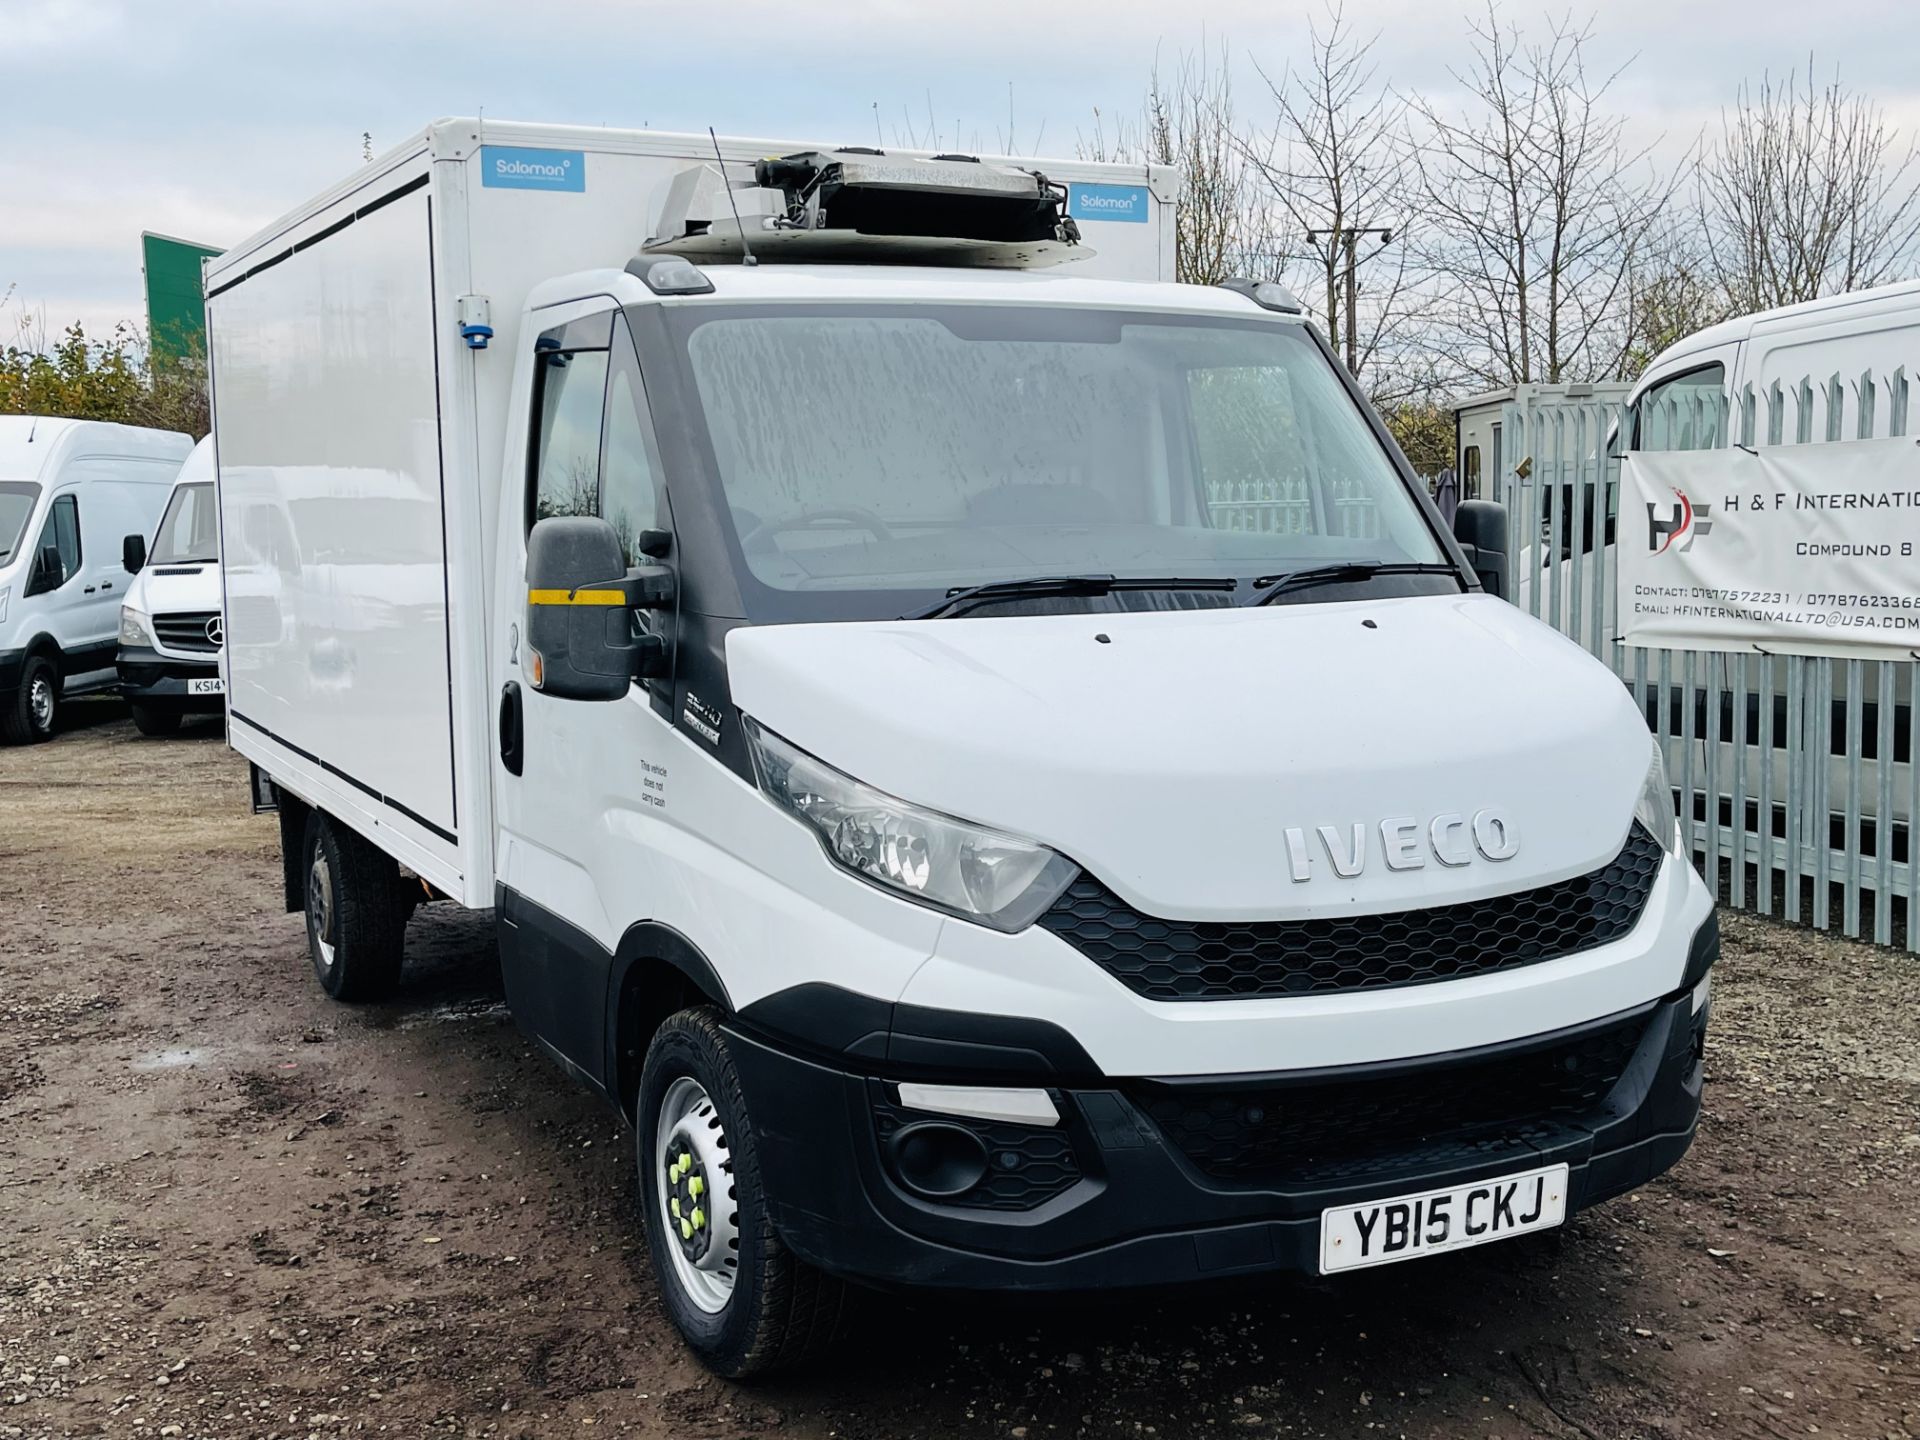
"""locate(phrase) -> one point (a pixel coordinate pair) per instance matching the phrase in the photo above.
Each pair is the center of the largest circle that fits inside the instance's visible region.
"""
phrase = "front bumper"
(150, 678)
(1149, 1183)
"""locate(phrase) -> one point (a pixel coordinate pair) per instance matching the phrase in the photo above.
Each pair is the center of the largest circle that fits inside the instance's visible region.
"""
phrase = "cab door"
(57, 590)
(578, 784)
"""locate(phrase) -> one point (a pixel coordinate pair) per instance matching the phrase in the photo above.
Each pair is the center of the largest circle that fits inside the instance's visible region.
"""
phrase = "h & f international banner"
(1790, 549)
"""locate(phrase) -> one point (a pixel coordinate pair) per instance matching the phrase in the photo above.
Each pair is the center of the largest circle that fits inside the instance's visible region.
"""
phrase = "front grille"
(1027, 1165)
(186, 630)
(1228, 960)
(1422, 1117)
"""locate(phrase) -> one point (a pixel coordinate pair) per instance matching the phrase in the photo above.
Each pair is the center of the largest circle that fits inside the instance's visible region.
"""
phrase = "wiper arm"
(1039, 585)
(1272, 585)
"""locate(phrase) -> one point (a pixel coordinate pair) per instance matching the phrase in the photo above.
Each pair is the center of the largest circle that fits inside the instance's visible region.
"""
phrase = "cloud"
(207, 118)
(35, 31)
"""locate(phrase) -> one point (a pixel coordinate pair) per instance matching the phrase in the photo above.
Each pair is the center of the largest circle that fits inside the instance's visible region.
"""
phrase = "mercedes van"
(69, 491)
(170, 622)
(988, 758)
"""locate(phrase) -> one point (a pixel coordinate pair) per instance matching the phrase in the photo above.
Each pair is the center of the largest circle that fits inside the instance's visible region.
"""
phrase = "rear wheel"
(739, 1298)
(357, 912)
(36, 705)
(155, 719)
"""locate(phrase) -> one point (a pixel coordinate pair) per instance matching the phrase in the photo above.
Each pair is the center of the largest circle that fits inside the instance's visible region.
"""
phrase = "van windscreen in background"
(189, 532)
(919, 449)
(16, 508)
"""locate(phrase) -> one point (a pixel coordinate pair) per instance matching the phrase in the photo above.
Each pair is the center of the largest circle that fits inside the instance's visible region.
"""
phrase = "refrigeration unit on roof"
(866, 206)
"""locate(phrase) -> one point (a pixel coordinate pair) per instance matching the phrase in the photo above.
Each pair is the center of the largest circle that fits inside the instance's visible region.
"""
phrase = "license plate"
(1408, 1226)
(215, 686)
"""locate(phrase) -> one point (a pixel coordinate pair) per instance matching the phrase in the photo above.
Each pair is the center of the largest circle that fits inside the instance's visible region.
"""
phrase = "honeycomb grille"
(1212, 960)
(1028, 1165)
(1348, 1128)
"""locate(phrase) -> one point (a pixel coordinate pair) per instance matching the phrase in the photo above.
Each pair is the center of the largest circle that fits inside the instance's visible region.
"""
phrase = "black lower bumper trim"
(150, 678)
(1141, 1212)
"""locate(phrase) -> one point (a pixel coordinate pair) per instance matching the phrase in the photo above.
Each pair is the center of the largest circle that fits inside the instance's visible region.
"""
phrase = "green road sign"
(176, 313)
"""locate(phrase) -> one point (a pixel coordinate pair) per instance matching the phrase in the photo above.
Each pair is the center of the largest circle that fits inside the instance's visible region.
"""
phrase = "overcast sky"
(206, 118)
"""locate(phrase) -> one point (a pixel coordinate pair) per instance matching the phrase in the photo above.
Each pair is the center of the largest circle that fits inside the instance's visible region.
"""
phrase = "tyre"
(739, 1298)
(357, 912)
(155, 719)
(30, 717)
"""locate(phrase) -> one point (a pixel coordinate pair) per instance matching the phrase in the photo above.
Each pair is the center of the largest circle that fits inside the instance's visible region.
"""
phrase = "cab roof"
(32, 446)
(1728, 332)
(917, 284)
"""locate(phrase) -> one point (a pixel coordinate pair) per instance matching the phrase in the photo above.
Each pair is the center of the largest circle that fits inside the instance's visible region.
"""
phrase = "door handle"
(512, 740)
(106, 584)
(90, 589)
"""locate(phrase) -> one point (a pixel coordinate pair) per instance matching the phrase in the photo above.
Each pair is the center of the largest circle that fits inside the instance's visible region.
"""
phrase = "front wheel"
(155, 719)
(740, 1299)
(30, 717)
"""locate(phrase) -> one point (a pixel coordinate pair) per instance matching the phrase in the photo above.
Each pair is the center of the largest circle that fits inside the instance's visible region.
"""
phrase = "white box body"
(360, 441)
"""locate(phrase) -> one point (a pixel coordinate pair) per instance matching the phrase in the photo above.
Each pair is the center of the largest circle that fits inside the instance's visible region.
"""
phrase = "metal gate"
(1795, 776)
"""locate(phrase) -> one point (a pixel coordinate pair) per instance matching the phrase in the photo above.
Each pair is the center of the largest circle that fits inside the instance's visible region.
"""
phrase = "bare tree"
(1336, 165)
(1188, 123)
(1808, 192)
(1535, 209)
(1671, 292)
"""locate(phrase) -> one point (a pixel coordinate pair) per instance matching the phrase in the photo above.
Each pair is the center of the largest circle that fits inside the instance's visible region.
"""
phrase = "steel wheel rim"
(40, 703)
(320, 907)
(701, 1219)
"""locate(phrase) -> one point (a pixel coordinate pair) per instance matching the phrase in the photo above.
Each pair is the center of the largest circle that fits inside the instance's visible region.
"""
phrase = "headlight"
(133, 627)
(1654, 809)
(6, 594)
(952, 865)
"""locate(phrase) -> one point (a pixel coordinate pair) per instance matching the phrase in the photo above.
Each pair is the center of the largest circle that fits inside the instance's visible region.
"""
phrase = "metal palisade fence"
(1795, 776)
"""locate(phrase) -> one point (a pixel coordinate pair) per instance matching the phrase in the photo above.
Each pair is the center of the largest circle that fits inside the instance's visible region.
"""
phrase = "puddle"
(460, 1012)
(174, 1059)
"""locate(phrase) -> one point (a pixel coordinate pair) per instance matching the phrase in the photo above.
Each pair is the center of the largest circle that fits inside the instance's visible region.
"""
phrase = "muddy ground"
(230, 1208)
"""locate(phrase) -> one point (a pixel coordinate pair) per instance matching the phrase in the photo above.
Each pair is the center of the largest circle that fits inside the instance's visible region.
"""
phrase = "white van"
(1872, 332)
(69, 491)
(947, 737)
(170, 622)
(1875, 330)
(1682, 402)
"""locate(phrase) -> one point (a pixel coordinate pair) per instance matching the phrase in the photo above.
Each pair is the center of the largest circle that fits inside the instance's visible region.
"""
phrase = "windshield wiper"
(1344, 570)
(1062, 585)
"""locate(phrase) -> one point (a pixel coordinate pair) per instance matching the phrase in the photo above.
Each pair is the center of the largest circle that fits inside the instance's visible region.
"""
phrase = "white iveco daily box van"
(988, 757)
(71, 491)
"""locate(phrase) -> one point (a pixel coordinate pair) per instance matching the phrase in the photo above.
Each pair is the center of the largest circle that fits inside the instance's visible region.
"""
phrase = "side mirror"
(48, 572)
(1481, 528)
(582, 643)
(133, 554)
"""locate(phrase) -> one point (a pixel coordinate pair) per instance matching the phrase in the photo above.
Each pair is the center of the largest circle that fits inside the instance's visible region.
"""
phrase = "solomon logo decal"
(1679, 527)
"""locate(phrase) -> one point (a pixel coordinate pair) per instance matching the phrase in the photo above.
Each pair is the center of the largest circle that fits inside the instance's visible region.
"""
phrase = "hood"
(163, 589)
(1171, 753)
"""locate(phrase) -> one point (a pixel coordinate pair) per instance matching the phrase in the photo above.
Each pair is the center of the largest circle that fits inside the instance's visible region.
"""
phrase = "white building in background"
(1483, 455)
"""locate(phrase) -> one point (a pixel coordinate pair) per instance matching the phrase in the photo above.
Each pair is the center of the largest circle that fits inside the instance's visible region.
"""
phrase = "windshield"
(189, 532)
(16, 508)
(891, 450)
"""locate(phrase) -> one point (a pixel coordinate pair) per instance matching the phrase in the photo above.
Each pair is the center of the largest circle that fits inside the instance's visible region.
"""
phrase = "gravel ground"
(229, 1208)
